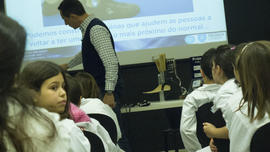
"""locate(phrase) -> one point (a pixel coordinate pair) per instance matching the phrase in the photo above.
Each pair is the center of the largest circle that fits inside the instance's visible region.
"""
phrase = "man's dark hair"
(206, 63)
(71, 6)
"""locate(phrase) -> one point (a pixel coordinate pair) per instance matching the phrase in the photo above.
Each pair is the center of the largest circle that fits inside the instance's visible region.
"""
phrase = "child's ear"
(218, 68)
(80, 101)
(202, 73)
(35, 96)
(35, 100)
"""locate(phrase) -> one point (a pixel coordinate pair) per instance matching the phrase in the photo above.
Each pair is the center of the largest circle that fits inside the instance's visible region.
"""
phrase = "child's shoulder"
(230, 86)
(206, 88)
(205, 92)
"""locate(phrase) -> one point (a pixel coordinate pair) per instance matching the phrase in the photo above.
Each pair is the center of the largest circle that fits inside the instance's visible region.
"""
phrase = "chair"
(259, 141)
(95, 141)
(108, 123)
(204, 114)
(174, 134)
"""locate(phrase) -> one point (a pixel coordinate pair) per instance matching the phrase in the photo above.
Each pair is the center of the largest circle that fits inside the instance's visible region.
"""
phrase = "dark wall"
(1, 6)
(247, 20)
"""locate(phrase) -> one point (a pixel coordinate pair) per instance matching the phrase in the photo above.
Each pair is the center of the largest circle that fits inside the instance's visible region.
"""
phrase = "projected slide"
(135, 25)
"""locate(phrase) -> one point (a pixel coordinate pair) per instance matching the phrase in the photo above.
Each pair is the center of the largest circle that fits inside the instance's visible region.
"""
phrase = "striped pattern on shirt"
(100, 38)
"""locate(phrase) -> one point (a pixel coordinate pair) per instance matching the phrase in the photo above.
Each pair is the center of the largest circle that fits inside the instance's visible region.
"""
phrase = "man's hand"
(64, 66)
(109, 99)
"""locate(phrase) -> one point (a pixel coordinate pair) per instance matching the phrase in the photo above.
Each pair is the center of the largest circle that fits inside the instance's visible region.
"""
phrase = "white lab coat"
(224, 93)
(188, 124)
(238, 124)
(96, 106)
(69, 137)
(95, 127)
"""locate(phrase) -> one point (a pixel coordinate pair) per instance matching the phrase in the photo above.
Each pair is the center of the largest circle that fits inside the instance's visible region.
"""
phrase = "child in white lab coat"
(91, 106)
(199, 97)
(90, 102)
(48, 81)
(195, 100)
(24, 126)
(222, 71)
(248, 109)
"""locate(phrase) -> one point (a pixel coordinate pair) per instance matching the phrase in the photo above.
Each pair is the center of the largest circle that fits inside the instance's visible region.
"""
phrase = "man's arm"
(75, 61)
(100, 38)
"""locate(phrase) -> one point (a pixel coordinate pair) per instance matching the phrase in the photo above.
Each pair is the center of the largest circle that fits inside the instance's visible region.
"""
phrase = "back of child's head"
(36, 73)
(89, 86)
(253, 65)
(206, 63)
(237, 52)
(74, 90)
(14, 133)
(12, 45)
(224, 57)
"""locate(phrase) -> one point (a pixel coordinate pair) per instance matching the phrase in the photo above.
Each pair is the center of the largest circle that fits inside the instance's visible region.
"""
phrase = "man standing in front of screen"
(97, 56)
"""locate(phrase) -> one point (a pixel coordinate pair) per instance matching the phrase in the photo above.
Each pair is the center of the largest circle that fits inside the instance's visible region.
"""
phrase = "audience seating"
(260, 139)
(108, 124)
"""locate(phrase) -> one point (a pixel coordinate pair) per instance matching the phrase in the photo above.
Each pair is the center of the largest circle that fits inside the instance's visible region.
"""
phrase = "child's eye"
(54, 88)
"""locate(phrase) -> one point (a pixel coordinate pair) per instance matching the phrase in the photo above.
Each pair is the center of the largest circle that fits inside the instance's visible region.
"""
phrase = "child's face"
(52, 95)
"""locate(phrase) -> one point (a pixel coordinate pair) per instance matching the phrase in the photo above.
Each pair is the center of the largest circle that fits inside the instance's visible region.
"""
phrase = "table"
(154, 106)
(145, 125)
